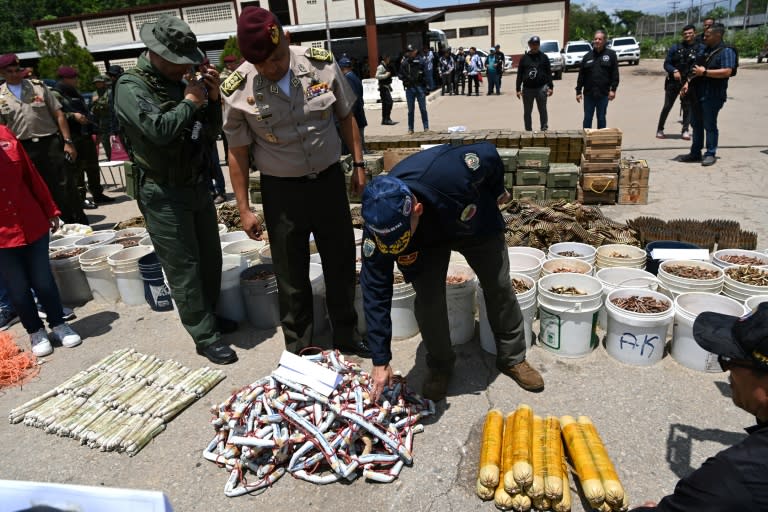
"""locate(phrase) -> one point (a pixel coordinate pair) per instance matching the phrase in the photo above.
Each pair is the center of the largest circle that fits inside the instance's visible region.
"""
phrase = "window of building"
(473, 31)
(106, 26)
(150, 17)
(208, 13)
(529, 27)
(450, 33)
(318, 44)
(61, 27)
(311, 2)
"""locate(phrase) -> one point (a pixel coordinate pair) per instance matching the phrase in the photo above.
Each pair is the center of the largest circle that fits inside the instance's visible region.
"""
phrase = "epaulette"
(36, 81)
(232, 83)
(319, 54)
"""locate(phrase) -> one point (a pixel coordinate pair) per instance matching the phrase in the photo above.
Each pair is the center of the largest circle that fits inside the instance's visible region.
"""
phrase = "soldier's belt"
(307, 177)
(38, 139)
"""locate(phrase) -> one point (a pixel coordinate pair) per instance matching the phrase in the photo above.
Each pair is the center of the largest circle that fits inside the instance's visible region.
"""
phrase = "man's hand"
(611, 95)
(677, 75)
(504, 198)
(550, 91)
(54, 222)
(212, 83)
(578, 98)
(252, 224)
(80, 118)
(71, 151)
(518, 94)
(357, 183)
(381, 377)
(699, 70)
(196, 93)
(684, 89)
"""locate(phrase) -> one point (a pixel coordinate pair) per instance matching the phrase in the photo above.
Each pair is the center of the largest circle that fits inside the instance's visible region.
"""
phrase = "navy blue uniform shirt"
(713, 87)
(458, 187)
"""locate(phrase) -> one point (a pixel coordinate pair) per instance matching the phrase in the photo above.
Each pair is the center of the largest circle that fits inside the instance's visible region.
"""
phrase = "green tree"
(628, 19)
(755, 7)
(56, 51)
(718, 13)
(230, 48)
(582, 22)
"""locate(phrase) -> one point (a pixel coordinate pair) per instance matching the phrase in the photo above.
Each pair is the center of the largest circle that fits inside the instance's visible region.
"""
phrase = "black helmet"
(115, 70)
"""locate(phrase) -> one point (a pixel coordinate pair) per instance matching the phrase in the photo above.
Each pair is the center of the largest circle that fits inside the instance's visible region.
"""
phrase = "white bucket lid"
(129, 256)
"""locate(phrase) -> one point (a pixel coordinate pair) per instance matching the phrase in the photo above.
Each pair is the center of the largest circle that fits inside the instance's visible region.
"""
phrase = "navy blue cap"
(731, 336)
(387, 207)
(344, 62)
(534, 40)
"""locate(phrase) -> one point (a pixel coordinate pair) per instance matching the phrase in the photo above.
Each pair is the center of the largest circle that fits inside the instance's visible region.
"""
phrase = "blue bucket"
(652, 265)
(156, 292)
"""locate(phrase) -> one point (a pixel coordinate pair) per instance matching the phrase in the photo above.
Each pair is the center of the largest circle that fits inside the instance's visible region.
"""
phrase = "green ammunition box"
(533, 192)
(533, 158)
(530, 177)
(562, 175)
(509, 157)
(569, 194)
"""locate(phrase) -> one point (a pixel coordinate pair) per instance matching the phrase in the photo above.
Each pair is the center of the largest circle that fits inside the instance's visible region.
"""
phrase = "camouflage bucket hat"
(173, 40)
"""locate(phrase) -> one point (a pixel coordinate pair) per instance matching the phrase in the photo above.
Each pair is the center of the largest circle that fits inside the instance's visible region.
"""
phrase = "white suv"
(551, 48)
(574, 52)
(627, 49)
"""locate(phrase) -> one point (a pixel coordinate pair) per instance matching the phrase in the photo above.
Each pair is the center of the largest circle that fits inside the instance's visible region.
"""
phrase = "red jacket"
(25, 201)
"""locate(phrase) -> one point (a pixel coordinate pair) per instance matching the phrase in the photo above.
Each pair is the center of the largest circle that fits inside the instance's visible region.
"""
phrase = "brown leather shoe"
(525, 375)
(436, 385)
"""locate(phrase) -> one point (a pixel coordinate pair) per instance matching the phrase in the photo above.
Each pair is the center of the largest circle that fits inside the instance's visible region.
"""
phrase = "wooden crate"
(589, 197)
(602, 137)
(393, 156)
(539, 139)
(600, 182)
(602, 154)
(588, 166)
(526, 139)
(633, 172)
(633, 194)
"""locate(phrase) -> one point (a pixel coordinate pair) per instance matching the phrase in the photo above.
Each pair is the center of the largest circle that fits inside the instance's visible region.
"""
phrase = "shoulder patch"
(407, 259)
(319, 54)
(472, 161)
(368, 247)
(36, 81)
(232, 83)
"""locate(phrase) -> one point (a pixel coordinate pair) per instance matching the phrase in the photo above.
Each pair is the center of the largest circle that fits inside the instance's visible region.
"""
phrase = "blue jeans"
(5, 301)
(592, 105)
(417, 93)
(704, 122)
(26, 269)
(494, 81)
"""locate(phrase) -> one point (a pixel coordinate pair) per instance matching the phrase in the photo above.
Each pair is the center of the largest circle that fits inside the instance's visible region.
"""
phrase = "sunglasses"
(726, 363)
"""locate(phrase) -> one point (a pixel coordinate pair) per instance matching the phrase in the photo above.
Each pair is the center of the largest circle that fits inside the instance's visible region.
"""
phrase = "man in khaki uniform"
(29, 109)
(284, 103)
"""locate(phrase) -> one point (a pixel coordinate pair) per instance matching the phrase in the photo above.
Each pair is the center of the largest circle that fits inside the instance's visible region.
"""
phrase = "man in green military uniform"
(101, 111)
(82, 128)
(169, 125)
(29, 109)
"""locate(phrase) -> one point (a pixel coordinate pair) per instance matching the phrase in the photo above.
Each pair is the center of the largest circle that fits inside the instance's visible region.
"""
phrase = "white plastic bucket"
(94, 264)
(531, 251)
(233, 236)
(223, 229)
(583, 251)
(127, 232)
(637, 338)
(97, 238)
(677, 285)
(259, 296)
(125, 267)
(146, 241)
(70, 279)
(246, 249)
(752, 302)
(265, 255)
(622, 277)
(620, 255)
(320, 311)
(742, 291)
(526, 264)
(230, 303)
(460, 298)
(688, 306)
(527, 301)
(574, 265)
(717, 257)
(567, 323)
(63, 243)
(402, 314)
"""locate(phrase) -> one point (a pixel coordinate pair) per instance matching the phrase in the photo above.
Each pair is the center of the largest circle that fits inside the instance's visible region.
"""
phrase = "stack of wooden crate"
(599, 166)
(633, 181)
(531, 174)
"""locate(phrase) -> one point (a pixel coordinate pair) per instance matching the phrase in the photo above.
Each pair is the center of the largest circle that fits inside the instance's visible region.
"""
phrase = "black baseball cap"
(743, 337)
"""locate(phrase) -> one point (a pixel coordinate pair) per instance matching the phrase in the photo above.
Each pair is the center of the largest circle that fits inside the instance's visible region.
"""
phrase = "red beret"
(66, 72)
(258, 34)
(9, 59)
(230, 58)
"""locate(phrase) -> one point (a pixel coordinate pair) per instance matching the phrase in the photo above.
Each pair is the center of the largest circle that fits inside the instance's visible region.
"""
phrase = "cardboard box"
(393, 156)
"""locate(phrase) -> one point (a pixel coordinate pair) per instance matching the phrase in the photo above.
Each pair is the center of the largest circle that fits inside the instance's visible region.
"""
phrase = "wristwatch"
(359, 164)
(68, 141)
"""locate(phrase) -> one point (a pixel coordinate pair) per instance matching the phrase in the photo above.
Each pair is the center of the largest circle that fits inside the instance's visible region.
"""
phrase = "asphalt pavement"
(658, 422)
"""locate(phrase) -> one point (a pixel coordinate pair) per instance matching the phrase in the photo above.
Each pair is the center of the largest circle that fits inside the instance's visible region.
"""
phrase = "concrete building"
(113, 36)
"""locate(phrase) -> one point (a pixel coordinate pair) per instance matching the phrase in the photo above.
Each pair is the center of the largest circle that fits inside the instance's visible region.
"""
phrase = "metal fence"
(677, 15)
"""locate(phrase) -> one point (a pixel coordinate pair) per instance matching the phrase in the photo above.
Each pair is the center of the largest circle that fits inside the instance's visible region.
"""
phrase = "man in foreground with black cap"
(534, 83)
(736, 478)
(169, 126)
(281, 108)
(442, 199)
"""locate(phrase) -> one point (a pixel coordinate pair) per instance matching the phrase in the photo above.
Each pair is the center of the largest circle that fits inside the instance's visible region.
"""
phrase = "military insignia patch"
(251, 100)
(397, 246)
(407, 259)
(368, 247)
(319, 54)
(232, 83)
(468, 212)
(271, 138)
(274, 34)
(407, 206)
(295, 82)
(472, 161)
(606, 58)
(273, 89)
(302, 68)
